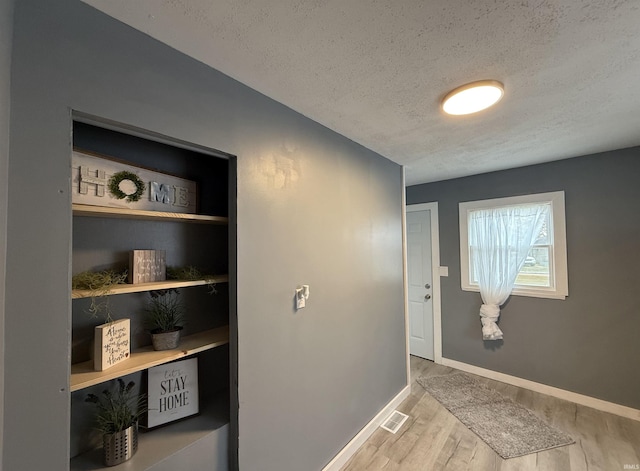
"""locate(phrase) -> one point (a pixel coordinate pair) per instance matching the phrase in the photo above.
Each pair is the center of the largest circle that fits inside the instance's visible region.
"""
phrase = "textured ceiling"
(375, 71)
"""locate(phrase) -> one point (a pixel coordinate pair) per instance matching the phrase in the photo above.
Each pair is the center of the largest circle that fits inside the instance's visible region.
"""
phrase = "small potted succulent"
(165, 318)
(117, 419)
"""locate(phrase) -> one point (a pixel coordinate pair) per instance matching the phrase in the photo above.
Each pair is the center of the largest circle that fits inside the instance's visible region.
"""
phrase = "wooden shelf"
(125, 213)
(142, 287)
(83, 375)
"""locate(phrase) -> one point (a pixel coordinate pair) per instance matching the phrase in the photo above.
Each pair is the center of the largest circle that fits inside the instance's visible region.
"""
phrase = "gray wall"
(6, 36)
(588, 342)
(313, 207)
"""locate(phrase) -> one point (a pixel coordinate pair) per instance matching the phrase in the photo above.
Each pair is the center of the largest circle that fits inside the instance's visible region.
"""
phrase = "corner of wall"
(6, 26)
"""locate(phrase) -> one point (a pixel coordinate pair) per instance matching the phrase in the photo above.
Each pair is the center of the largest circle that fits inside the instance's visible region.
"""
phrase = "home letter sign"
(173, 392)
(99, 181)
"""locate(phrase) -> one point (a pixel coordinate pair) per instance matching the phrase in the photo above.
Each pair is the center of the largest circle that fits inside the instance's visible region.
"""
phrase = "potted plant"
(117, 419)
(165, 318)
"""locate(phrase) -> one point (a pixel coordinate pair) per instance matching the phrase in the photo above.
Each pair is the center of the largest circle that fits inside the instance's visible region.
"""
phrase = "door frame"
(435, 268)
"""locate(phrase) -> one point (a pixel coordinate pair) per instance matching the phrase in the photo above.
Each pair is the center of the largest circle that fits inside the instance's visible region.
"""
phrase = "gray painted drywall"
(313, 207)
(588, 342)
(207, 453)
(6, 36)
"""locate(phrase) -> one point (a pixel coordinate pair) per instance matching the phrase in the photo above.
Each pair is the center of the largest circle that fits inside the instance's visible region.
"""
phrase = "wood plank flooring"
(432, 439)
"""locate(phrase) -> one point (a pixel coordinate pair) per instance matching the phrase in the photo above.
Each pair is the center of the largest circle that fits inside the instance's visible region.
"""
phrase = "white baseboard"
(356, 442)
(581, 399)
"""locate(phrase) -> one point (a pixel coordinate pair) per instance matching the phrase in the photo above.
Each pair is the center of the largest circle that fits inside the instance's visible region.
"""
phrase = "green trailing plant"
(99, 281)
(99, 284)
(119, 410)
(191, 273)
(165, 311)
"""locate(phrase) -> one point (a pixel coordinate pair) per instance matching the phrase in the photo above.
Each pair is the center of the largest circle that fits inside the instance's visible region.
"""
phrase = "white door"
(420, 278)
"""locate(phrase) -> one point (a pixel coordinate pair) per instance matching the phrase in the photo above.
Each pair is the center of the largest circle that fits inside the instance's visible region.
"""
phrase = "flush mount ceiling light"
(473, 97)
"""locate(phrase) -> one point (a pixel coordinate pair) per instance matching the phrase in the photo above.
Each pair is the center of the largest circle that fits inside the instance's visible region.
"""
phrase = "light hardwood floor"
(432, 439)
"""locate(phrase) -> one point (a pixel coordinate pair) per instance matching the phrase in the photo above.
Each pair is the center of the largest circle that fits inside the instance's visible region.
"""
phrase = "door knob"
(427, 297)
(427, 286)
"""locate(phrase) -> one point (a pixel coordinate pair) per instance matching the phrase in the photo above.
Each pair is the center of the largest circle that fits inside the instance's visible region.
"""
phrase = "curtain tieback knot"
(490, 311)
(489, 314)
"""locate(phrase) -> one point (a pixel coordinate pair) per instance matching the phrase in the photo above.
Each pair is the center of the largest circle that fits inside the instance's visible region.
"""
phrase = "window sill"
(530, 293)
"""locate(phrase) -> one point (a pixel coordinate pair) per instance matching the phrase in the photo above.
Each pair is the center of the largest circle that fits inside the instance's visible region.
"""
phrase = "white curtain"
(499, 240)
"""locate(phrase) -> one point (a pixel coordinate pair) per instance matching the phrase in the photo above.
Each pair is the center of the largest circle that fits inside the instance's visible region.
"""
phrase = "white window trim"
(559, 263)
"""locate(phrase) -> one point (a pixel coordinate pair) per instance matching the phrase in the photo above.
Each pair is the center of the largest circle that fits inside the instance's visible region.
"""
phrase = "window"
(544, 270)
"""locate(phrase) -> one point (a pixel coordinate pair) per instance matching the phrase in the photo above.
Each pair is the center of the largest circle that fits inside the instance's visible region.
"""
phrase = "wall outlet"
(300, 298)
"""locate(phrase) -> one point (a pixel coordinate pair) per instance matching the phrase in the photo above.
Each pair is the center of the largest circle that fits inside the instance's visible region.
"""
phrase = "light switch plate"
(444, 271)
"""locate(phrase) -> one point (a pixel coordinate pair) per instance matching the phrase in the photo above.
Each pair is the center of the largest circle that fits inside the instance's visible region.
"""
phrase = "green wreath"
(117, 178)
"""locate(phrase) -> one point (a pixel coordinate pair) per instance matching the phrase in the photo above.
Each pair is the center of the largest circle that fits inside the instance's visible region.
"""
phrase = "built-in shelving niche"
(102, 238)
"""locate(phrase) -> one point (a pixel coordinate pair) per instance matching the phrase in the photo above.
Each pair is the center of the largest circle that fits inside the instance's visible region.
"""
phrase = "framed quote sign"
(172, 392)
(112, 344)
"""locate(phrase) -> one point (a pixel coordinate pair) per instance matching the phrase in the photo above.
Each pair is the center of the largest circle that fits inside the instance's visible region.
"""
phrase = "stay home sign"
(172, 392)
